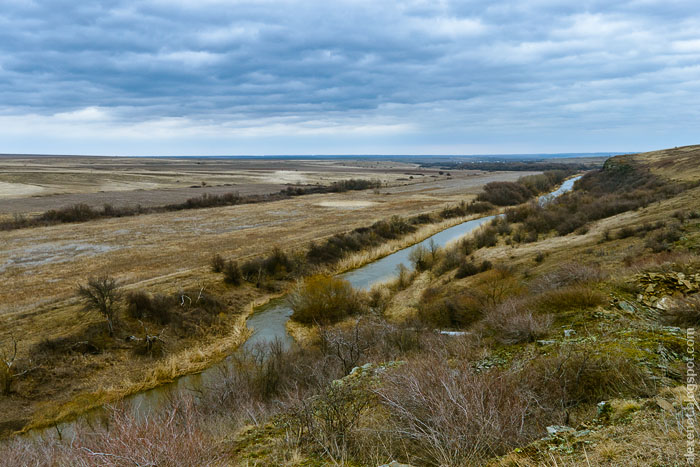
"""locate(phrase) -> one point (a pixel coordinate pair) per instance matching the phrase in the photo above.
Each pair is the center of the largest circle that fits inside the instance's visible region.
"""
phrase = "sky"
(211, 77)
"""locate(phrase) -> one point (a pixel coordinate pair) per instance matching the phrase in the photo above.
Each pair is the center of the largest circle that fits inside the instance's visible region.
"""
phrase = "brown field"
(41, 267)
(547, 308)
(36, 184)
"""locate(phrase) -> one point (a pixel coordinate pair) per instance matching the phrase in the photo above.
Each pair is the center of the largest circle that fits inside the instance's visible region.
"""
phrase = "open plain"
(167, 252)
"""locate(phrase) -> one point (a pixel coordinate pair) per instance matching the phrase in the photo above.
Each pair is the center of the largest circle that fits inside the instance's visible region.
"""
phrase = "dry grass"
(173, 437)
(648, 435)
(165, 253)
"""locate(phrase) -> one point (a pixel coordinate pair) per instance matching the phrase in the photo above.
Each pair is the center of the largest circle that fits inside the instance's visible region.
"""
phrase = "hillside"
(565, 338)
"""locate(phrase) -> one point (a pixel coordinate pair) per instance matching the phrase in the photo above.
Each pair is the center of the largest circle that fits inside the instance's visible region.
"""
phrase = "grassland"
(169, 253)
(570, 348)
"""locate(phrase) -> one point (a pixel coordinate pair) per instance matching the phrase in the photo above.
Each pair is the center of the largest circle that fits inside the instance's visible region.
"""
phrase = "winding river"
(268, 322)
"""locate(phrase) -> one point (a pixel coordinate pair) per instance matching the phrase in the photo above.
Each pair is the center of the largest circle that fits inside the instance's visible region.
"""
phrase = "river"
(269, 321)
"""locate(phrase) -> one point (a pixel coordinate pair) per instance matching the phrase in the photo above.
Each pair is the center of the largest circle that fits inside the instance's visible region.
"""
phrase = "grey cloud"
(447, 69)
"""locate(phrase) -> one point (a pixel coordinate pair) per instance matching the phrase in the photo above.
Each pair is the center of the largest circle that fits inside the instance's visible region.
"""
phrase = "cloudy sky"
(179, 77)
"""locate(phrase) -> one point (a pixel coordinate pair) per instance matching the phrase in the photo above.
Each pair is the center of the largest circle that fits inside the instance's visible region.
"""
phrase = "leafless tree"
(347, 347)
(101, 294)
(8, 372)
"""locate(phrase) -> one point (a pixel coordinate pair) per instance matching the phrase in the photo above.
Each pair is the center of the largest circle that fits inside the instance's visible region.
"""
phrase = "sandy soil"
(18, 190)
(346, 204)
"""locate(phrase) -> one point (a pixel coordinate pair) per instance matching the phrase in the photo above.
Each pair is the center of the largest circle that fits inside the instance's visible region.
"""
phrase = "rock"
(580, 433)
(360, 369)
(395, 464)
(664, 304)
(665, 405)
(624, 306)
(544, 342)
(569, 332)
(556, 429)
(453, 333)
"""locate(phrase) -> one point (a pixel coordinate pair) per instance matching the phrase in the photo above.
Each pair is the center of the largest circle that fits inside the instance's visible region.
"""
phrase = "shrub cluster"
(338, 246)
(323, 299)
(188, 312)
(276, 265)
(620, 186)
(511, 193)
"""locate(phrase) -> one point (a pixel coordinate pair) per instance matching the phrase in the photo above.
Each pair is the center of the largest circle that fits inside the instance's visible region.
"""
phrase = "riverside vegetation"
(168, 333)
(551, 361)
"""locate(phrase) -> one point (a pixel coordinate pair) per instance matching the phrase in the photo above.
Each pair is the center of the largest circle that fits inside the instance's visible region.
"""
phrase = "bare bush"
(453, 416)
(158, 308)
(329, 420)
(568, 274)
(505, 193)
(323, 299)
(451, 259)
(495, 285)
(486, 237)
(8, 366)
(171, 438)
(217, 263)
(579, 374)
(512, 323)
(421, 258)
(347, 347)
(404, 277)
(467, 268)
(101, 294)
(569, 298)
(441, 309)
(232, 273)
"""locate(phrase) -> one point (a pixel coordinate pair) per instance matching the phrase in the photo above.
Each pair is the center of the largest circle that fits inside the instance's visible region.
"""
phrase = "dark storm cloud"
(445, 71)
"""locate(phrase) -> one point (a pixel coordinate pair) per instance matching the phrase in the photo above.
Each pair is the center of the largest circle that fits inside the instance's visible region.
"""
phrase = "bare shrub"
(140, 305)
(466, 268)
(663, 241)
(445, 416)
(101, 294)
(404, 277)
(486, 237)
(512, 323)
(8, 366)
(378, 298)
(421, 258)
(569, 298)
(329, 421)
(448, 310)
(479, 207)
(568, 274)
(347, 347)
(217, 263)
(495, 285)
(505, 193)
(170, 438)
(451, 259)
(232, 273)
(579, 374)
(323, 299)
